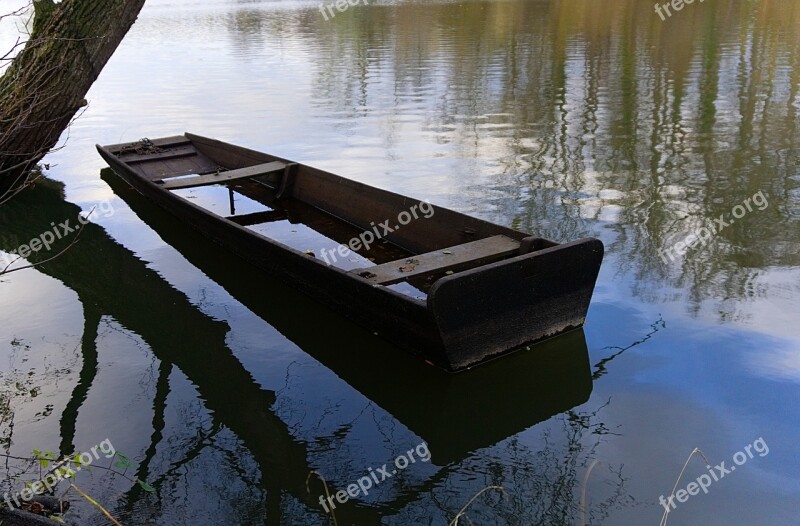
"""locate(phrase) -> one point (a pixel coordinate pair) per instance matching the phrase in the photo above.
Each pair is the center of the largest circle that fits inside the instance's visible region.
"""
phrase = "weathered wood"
(502, 306)
(471, 254)
(328, 225)
(496, 298)
(224, 177)
(532, 244)
(172, 153)
(360, 204)
(161, 142)
(197, 164)
(229, 155)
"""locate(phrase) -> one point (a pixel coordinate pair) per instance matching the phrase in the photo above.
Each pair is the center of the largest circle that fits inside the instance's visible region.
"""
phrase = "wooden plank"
(229, 155)
(468, 254)
(197, 164)
(188, 166)
(155, 170)
(360, 204)
(224, 177)
(162, 142)
(173, 153)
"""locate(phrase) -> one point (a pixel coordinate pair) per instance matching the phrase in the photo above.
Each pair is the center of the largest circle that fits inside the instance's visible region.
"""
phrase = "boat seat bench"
(223, 177)
(470, 254)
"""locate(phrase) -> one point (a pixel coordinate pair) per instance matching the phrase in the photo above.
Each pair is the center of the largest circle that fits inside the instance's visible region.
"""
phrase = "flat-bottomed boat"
(453, 289)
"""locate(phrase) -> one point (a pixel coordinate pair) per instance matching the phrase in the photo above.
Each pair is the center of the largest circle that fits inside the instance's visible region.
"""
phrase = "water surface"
(561, 118)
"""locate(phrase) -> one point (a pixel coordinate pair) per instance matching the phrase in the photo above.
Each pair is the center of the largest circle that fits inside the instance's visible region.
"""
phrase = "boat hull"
(468, 317)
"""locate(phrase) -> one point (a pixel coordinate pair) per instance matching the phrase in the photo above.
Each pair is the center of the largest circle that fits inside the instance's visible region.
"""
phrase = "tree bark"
(44, 87)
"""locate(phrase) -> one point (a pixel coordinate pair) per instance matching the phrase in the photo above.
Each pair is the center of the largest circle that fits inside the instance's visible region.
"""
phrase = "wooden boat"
(460, 416)
(450, 288)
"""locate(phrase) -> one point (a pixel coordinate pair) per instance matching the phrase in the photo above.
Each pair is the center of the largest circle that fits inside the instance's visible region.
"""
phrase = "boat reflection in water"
(454, 413)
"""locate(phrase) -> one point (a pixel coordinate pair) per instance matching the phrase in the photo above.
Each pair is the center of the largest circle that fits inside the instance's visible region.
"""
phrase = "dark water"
(563, 118)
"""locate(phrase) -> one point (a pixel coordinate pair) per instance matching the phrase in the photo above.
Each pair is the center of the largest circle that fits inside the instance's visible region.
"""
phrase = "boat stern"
(504, 306)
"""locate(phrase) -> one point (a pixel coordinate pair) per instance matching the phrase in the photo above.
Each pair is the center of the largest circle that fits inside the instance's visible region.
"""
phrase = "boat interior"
(391, 240)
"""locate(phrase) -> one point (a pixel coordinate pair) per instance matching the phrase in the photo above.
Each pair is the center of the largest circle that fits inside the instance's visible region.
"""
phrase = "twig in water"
(664, 517)
(327, 493)
(583, 493)
(600, 367)
(95, 503)
(463, 510)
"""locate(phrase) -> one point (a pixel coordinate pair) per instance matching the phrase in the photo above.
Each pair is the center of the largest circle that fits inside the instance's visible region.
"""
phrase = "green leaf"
(42, 457)
(123, 462)
(145, 486)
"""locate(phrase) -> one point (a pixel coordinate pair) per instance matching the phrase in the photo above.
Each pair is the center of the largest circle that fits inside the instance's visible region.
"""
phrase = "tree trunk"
(44, 87)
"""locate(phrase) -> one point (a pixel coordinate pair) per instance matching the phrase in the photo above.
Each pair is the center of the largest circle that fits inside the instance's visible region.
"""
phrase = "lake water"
(566, 118)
